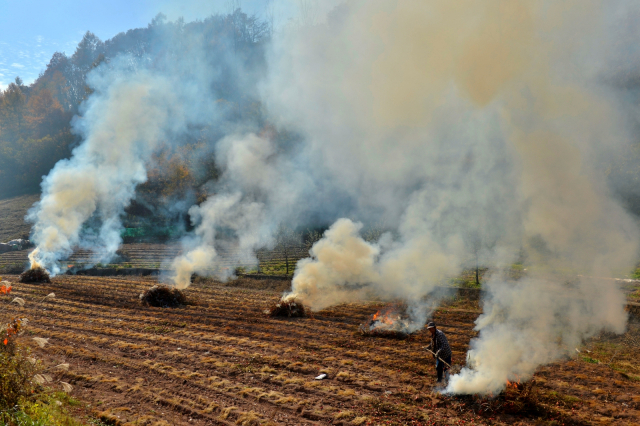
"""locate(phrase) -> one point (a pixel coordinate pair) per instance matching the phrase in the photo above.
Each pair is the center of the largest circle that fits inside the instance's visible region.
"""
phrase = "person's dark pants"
(441, 368)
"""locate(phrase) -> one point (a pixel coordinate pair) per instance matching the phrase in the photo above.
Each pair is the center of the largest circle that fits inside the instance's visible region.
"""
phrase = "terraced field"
(221, 360)
(12, 212)
(156, 256)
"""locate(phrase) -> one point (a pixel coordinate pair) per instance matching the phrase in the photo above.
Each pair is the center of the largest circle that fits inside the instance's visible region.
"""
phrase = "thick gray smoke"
(471, 129)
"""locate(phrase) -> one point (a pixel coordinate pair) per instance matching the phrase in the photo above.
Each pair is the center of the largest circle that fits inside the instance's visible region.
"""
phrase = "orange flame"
(388, 317)
(513, 385)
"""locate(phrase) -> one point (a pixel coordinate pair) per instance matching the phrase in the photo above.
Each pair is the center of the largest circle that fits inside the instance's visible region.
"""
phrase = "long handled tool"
(426, 348)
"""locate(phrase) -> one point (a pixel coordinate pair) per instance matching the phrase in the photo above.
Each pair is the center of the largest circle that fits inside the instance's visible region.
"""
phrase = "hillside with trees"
(36, 120)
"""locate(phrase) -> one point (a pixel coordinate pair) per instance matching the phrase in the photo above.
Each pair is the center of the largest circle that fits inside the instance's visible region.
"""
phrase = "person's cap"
(431, 325)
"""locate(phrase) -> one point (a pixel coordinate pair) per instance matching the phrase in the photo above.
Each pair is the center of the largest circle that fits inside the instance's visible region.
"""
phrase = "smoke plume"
(472, 130)
(475, 129)
(162, 94)
(123, 123)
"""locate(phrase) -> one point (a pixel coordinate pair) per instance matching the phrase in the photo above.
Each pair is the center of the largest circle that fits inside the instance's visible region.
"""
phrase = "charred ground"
(223, 361)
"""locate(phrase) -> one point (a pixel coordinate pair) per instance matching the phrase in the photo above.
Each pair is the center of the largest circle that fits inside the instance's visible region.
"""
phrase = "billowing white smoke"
(387, 127)
(222, 211)
(123, 123)
(469, 128)
(341, 268)
(533, 322)
(138, 104)
(344, 267)
(238, 219)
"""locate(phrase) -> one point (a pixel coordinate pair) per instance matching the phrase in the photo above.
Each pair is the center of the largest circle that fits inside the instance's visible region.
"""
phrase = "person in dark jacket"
(441, 349)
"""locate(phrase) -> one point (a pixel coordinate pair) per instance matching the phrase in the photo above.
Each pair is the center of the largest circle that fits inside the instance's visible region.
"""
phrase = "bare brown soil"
(222, 361)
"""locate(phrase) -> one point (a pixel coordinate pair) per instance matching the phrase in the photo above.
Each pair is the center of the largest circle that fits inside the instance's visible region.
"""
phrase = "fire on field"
(390, 321)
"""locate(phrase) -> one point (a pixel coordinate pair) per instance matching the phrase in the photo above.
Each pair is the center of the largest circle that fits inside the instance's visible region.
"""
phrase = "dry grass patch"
(346, 392)
(226, 412)
(109, 418)
(211, 408)
(249, 419)
(285, 400)
(344, 415)
(343, 376)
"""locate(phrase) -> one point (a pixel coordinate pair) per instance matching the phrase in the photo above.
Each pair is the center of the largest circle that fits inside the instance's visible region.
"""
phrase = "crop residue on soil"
(225, 362)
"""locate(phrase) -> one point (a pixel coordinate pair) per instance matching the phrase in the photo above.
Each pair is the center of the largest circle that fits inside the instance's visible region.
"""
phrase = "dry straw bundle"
(290, 308)
(35, 275)
(163, 296)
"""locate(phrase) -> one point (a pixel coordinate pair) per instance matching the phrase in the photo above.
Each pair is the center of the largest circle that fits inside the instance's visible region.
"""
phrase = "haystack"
(162, 296)
(290, 308)
(35, 275)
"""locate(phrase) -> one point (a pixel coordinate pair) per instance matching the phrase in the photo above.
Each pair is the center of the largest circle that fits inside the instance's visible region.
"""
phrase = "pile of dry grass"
(163, 296)
(287, 308)
(35, 275)
(365, 330)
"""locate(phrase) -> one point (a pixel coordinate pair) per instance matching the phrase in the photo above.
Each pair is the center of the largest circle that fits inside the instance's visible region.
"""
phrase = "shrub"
(48, 409)
(16, 370)
(23, 401)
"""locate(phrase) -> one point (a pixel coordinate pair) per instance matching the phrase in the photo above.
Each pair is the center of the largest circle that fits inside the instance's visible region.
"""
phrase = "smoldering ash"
(470, 129)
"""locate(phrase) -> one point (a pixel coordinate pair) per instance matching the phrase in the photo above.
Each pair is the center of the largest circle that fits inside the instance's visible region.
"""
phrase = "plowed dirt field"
(221, 361)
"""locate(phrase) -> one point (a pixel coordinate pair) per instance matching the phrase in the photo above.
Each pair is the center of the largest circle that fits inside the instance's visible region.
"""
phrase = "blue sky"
(32, 30)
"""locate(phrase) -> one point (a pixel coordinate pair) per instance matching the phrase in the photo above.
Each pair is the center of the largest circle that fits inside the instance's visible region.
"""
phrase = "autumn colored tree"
(12, 109)
(44, 113)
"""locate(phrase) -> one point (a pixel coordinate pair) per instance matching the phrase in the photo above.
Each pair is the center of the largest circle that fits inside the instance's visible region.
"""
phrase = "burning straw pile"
(290, 308)
(162, 296)
(388, 322)
(35, 275)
